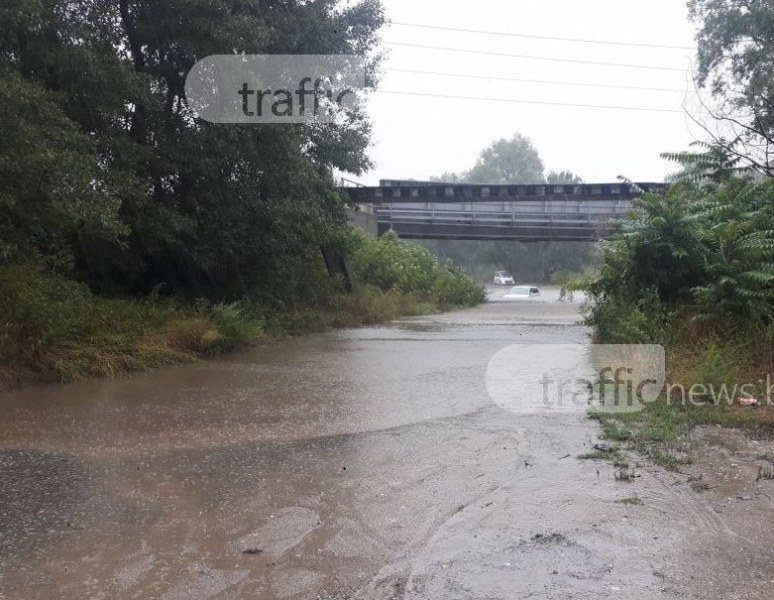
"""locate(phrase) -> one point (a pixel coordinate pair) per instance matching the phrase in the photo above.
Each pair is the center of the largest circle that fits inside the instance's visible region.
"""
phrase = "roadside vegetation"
(692, 268)
(133, 234)
(55, 329)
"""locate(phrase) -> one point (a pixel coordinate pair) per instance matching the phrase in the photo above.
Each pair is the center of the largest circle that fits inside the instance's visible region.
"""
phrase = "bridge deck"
(409, 191)
(427, 210)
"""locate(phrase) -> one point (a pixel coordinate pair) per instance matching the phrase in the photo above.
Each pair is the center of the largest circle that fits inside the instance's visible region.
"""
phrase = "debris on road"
(747, 401)
(604, 447)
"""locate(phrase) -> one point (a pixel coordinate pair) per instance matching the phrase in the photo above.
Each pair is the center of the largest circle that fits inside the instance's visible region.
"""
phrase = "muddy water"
(365, 463)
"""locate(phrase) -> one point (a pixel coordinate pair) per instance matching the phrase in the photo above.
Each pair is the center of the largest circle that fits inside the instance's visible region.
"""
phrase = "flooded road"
(365, 463)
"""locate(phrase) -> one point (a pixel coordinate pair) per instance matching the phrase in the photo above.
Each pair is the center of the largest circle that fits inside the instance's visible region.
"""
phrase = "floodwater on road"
(367, 463)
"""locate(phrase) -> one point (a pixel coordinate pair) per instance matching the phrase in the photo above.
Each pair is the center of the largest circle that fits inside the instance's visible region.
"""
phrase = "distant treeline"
(515, 160)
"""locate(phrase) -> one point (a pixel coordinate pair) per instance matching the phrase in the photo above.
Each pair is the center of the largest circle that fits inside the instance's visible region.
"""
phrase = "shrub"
(395, 265)
(454, 287)
(621, 320)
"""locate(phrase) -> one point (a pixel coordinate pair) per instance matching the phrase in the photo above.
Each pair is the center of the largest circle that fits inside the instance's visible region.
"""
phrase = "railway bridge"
(461, 211)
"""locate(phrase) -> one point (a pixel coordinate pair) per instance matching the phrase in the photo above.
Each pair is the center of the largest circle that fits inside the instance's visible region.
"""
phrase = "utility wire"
(532, 57)
(511, 100)
(543, 37)
(520, 80)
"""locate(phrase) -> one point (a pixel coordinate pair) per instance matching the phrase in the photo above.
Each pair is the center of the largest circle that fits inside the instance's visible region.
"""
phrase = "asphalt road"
(368, 463)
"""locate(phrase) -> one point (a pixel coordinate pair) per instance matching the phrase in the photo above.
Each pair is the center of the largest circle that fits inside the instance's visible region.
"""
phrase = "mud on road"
(364, 463)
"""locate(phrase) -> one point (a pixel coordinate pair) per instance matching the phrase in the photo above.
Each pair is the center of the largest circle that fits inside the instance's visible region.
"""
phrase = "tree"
(450, 178)
(513, 161)
(508, 161)
(563, 177)
(736, 63)
(213, 210)
(52, 192)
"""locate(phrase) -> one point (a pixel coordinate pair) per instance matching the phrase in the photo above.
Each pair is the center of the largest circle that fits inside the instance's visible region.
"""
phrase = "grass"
(54, 329)
(595, 455)
(614, 431)
(662, 429)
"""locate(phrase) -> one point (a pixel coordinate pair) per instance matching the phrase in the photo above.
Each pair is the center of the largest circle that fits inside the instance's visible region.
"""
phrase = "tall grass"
(57, 329)
(61, 330)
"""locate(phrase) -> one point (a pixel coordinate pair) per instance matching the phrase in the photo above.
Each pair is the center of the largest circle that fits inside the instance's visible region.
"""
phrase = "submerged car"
(503, 278)
(522, 291)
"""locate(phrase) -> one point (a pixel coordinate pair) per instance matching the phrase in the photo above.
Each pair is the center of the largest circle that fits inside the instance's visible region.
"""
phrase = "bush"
(392, 264)
(454, 287)
(395, 265)
(692, 269)
(59, 328)
(619, 320)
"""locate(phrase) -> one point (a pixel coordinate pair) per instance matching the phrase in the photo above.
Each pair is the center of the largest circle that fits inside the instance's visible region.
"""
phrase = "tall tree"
(563, 177)
(512, 160)
(736, 63)
(208, 209)
(516, 161)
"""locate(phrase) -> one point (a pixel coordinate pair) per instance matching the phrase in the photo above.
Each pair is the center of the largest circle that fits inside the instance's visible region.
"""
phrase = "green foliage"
(656, 248)
(563, 178)
(718, 365)
(693, 267)
(453, 287)
(59, 327)
(51, 189)
(389, 263)
(392, 264)
(61, 330)
(736, 62)
(513, 161)
(618, 320)
(713, 165)
(106, 176)
(692, 270)
(707, 248)
(236, 325)
(738, 244)
(368, 305)
(508, 161)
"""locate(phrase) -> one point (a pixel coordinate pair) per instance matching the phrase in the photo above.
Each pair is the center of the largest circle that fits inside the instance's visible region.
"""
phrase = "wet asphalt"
(368, 463)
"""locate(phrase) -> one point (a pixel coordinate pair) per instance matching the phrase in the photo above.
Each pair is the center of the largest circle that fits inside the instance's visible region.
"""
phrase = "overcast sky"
(418, 136)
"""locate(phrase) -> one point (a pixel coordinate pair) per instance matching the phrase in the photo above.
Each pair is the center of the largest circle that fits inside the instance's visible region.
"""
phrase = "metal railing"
(501, 217)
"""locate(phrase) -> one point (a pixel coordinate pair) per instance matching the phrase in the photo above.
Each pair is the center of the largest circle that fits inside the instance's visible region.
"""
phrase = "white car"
(503, 278)
(522, 291)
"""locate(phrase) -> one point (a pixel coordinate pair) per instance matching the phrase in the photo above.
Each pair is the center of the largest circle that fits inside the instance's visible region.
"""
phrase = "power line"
(520, 80)
(543, 37)
(516, 101)
(532, 57)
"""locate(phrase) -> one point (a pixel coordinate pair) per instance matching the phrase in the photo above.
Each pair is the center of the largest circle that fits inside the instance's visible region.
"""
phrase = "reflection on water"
(327, 466)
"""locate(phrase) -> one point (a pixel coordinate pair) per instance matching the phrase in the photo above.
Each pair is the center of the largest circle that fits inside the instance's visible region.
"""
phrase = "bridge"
(430, 210)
